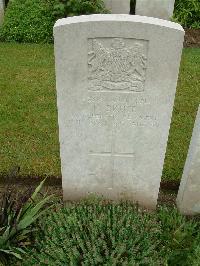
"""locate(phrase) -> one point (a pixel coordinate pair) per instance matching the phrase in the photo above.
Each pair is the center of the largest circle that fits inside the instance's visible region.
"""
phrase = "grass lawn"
(95, 233)
(28, 115)
(28, 124)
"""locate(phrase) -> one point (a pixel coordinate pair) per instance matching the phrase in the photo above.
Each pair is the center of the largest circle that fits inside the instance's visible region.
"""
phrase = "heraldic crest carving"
(118, 67)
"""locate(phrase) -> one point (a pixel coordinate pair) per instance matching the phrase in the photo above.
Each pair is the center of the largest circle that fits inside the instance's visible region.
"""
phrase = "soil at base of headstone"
(167, 194)
(166, 197)
(192, 38)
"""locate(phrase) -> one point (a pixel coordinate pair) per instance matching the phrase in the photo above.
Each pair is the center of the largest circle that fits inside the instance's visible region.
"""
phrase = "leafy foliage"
(99, 233)
(187, 13)
(32, 20)
(16, 218)
(194, 257)
(179, 236)
(83, 7)
(29, 21)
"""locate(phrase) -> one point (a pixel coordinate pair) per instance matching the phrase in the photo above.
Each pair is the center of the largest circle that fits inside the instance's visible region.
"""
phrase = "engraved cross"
(112, 154)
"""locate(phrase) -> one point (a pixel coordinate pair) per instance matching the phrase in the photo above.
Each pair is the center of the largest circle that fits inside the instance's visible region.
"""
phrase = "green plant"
(84, 7)
(32, 20)
(194, 257)
(179, 236)
(97, 233)
(187, 13)
(29, 21)
(16, 218)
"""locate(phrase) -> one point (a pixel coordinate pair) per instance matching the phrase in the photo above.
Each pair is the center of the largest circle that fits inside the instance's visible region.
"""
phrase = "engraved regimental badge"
(116, 64)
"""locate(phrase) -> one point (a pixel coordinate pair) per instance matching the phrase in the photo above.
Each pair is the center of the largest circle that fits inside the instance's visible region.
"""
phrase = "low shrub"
(96, 235)
(32, 20)
(28, 21)
(100, 233)
(83, 7)
(187, 13)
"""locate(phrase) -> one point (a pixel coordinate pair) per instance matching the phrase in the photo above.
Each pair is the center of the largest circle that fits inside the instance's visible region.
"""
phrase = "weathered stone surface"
(188, 199)
(118, 6)
(155, 8)
(2, 5)
(116, 80)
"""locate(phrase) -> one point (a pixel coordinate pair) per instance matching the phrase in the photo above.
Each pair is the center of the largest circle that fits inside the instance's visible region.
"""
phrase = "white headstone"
(2, 6)
(116, 81)
(155, 8)
(188, 199)
(118, 6)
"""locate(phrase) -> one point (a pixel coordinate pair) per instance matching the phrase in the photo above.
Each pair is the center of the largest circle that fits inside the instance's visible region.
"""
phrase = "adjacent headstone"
(118, 6)
(188, 199)
(116, 81)
(155, 8)
(2, 6)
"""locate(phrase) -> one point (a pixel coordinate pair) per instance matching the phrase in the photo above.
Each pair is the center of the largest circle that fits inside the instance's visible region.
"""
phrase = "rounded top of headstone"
(119, 18)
